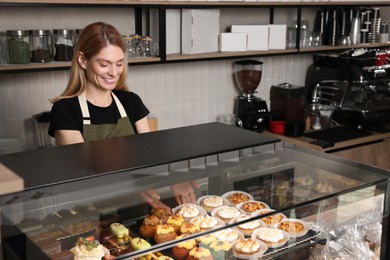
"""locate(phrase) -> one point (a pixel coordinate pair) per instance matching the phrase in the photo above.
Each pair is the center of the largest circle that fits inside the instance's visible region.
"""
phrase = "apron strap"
(85, 110)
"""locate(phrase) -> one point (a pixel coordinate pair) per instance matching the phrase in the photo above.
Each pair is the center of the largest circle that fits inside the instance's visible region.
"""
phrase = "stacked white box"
(257, 36)
(200, 30)
(277, 36)
(232, 42)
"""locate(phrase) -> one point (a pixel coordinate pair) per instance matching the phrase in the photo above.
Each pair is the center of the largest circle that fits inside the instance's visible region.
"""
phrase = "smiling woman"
(97, 103)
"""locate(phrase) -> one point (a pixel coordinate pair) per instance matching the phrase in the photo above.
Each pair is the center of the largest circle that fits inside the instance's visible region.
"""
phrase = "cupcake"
(249, 248)
(182, 249)
(211, 202)
(162, 213)
(175, 221)
(226, 213)
(206, 240)
(149, 225)
(219, 248)
(89, 249)
(189, 228)
(248, 227)
(199, 253)
(206, 222)
(164, 233)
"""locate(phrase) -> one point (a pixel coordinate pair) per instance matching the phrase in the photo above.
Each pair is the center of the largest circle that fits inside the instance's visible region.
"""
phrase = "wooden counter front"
(373, 149)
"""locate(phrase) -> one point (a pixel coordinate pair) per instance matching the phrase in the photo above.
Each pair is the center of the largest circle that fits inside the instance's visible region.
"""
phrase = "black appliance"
(252, 110)
(358, 89)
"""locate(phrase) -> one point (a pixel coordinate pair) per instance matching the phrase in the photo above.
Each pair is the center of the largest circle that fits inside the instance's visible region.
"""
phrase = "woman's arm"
(142, 125)
(64, 137)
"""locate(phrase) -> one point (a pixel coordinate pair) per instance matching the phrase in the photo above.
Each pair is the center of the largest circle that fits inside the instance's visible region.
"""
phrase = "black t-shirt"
(66, 113)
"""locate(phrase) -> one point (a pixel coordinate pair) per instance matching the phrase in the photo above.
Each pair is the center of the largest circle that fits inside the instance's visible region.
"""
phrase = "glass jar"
(3, 48)
(40, 42)
(63, 44)
(130, 47)
(18, 47)
(148, 47)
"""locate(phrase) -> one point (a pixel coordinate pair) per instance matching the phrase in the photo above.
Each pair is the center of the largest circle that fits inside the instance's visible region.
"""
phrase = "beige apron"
(104, 131)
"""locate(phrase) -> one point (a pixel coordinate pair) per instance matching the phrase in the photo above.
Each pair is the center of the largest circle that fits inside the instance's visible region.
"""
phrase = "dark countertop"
(50, 166)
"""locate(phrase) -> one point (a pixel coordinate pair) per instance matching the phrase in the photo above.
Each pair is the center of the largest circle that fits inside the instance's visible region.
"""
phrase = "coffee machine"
(251, 110)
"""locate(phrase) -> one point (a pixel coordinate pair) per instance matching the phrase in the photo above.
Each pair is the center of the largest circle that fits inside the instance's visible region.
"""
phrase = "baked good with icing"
(89, 249)
(226, 213)
(162, 213)
(164, 233)
(218, 249)
(272, 237)
(206, 222)
(248, 227)
(175, 221)
(199, 253)
(211, 202)
(149, 225)
(189, 228)
(248, 248)
(230, 235)
(182, 249)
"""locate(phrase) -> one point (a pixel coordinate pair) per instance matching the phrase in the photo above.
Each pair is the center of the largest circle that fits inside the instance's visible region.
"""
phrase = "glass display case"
(253, 200)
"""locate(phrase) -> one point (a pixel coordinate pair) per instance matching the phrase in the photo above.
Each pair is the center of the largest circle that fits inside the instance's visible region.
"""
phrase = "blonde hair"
(92, 39)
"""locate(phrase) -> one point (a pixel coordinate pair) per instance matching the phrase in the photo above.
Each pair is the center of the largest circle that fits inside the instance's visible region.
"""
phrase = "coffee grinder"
(252, 110)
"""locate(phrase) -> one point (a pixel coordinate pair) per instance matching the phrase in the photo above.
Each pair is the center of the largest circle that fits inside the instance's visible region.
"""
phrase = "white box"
(173, 31)
(200, 30)
(232, 42)
(257, 36)
(277, 36)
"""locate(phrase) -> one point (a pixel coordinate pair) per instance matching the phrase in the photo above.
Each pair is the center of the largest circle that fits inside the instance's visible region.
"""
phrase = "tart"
(294, 227)
(149, 225)
(182, 249)
(272, 237)
(236, 197)
(199, 253)
(207, 222)
(175, 221)
(249, 248)
(251, 206)
(230, 235)
(189, 211)
(211, 202)
(164, 233)
(226, 213)
(270, 220)
(189, 228)
(248, 227)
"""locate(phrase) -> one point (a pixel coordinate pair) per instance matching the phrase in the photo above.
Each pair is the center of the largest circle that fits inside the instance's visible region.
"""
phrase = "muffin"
(206, 222)
(182, 249)
(211, 202)
(199, 253)
(164, 233)
(226, 213)
(149, 225)
(189, 228)
(219, 248)
(175, 221)
(249, 248)
(162, 213)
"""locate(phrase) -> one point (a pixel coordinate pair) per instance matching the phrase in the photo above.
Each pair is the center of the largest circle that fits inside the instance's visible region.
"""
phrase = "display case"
(288, 202)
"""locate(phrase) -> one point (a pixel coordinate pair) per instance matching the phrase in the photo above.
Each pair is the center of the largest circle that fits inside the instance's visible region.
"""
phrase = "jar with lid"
(40, 42)
(63, 44)
(18, 47)
(130, 47)
(148, 47)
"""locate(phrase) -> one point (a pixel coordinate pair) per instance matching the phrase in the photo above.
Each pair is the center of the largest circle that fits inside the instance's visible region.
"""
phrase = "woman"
(97, 104)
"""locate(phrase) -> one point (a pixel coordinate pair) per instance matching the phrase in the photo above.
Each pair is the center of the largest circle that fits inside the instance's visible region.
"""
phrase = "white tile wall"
(178, 94)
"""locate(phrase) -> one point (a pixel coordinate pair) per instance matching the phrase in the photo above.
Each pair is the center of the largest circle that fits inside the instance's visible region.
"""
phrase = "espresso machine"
(251, 110)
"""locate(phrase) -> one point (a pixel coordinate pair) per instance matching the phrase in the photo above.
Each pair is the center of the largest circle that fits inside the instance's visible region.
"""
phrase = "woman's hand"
(153, 199)
(184, 192)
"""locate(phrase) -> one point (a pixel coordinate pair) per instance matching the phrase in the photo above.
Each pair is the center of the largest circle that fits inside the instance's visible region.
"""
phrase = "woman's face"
(103, 70)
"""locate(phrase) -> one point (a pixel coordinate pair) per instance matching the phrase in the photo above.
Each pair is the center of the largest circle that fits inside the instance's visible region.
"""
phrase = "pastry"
(211, 202)
(161, 213)
(226, 213)
(272, 237)
(230, 235)
(199, 253)
(205, 222)
(148, 227)
(176, 221)
(188, 211)
(121, 233)
(247, 248)
(182, 249)
(89, 249)
(189, 228)
(252, 206)
(248, 227)
(141, 244)
(219, 248)
(206, 240)
(271, 220)
(238, 197)
(294, 227)
(164, 233)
